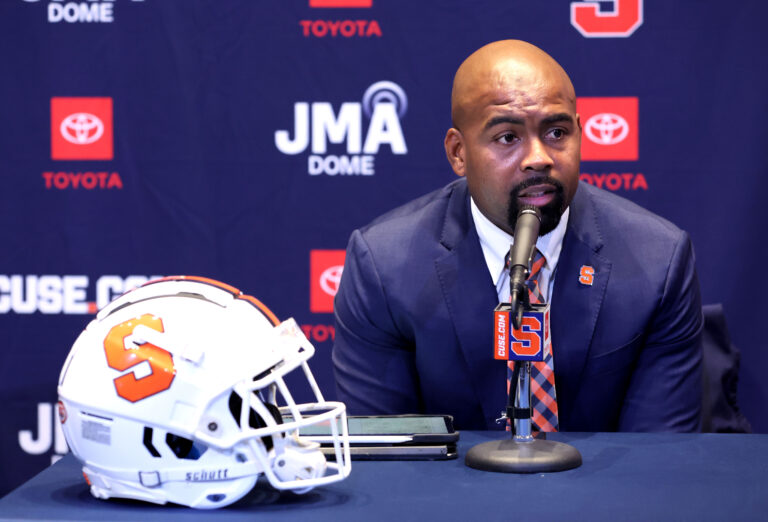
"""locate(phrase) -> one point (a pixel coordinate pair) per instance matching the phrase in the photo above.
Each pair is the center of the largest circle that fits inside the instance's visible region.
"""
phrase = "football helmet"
(175, 392)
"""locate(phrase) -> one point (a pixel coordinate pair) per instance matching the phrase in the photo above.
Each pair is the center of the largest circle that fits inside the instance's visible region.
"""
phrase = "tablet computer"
(393, 437)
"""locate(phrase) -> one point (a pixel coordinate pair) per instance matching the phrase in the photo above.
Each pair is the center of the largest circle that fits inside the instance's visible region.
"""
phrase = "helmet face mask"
(176, 393)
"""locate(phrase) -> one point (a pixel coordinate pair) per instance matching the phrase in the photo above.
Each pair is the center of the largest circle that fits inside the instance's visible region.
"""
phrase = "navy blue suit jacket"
(414, 318)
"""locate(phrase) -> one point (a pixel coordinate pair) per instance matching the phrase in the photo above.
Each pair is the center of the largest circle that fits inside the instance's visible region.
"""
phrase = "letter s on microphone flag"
(531, 342)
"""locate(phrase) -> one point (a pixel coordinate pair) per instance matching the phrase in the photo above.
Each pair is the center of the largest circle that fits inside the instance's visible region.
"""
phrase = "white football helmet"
(175, 393)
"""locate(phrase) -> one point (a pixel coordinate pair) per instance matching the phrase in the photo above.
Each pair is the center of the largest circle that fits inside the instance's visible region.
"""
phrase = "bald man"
(414, 308)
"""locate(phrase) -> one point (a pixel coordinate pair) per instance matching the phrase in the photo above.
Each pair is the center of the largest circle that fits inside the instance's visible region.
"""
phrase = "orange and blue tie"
(543, 396)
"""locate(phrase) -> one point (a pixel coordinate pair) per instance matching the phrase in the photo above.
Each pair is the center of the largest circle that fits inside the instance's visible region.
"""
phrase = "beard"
(550, 213)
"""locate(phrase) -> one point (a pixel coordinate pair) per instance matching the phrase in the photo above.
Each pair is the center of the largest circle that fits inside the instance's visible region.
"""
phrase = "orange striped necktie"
(543, 396)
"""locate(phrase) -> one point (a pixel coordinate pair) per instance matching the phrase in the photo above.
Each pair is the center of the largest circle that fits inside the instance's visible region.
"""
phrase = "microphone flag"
(530, 342)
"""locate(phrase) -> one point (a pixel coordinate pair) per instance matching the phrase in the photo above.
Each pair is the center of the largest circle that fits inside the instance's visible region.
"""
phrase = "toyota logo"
(81, 128)
(606, 128)
(329, 279)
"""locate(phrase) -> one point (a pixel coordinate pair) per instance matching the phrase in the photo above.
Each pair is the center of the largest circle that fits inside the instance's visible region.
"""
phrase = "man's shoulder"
(423, 215)
(618, 216)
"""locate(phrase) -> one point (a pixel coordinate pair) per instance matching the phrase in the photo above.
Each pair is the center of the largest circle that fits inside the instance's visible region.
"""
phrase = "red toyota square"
(340, 3)
(610, 128)
(325, 267)
(81, 129)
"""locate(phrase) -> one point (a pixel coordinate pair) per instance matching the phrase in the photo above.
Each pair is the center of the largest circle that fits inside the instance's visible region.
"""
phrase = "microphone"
(520, 256)
(523, 453)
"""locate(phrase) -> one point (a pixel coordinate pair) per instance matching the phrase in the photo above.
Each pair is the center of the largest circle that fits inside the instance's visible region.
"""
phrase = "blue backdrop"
(243, 140)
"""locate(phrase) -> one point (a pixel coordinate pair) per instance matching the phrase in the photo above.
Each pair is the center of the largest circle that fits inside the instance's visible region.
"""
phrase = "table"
(625, 476)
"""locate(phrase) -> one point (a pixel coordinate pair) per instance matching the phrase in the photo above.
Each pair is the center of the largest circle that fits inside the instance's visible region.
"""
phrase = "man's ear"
(454, 150)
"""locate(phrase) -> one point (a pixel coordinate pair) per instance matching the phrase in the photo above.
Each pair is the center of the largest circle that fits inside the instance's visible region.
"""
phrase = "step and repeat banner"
(243, 140)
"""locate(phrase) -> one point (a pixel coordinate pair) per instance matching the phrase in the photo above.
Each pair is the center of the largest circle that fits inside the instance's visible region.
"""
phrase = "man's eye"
(556, 133)
(506, 138)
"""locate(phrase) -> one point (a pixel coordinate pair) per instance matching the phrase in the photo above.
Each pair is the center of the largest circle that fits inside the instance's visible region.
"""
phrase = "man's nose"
(536, 157)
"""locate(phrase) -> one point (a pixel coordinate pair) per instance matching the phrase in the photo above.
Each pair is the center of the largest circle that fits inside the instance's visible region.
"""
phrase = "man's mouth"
(537, 195)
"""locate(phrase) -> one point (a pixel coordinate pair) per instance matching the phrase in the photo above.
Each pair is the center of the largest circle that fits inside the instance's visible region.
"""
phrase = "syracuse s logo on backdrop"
(384, 104)
(620, 20)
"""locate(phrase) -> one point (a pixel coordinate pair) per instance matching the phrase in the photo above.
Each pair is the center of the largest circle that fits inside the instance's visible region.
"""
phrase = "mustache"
(538, 180)
(550, 213)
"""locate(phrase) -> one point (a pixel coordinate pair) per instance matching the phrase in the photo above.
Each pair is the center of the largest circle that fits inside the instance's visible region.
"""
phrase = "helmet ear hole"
(184, 448)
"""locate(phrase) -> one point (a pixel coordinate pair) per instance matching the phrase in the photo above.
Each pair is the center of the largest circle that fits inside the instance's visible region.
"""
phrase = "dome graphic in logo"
(385, 92)
(81, 128)
(606, 128)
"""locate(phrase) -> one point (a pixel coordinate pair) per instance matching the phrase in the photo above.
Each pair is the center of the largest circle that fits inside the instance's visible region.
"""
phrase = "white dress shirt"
(495, 244)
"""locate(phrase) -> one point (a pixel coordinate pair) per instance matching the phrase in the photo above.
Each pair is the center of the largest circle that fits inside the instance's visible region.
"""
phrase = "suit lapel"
(577, 301)
(470, 298)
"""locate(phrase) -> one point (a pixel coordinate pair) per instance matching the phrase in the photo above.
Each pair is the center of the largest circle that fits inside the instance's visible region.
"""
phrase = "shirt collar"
(495, 242)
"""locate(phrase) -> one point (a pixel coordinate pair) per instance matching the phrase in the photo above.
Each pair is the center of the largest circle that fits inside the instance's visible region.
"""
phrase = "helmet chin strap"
(104, 480)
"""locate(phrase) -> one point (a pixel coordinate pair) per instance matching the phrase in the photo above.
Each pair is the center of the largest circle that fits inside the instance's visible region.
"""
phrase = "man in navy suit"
(414, 307)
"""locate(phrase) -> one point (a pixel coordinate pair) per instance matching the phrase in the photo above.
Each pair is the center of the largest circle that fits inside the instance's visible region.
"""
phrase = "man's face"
(519, 143)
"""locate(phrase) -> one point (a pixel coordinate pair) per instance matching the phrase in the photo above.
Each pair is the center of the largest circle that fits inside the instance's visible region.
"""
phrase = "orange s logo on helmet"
(121, 358)
(587, 275)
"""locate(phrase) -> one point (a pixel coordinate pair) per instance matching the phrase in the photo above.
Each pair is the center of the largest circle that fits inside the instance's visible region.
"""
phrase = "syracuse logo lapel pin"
(586, 275)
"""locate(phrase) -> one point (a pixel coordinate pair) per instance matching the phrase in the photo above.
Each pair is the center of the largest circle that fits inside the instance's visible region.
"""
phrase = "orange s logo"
(623, 19)
(587, 275)
(527, 341)
(121, 358)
